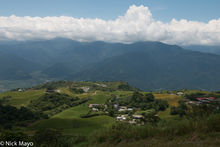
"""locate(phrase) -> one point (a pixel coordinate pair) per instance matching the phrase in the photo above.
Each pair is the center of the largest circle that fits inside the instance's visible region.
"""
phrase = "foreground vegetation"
(59, 114)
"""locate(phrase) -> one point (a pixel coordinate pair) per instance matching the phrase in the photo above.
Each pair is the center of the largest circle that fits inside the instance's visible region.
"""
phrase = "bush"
(44, 137)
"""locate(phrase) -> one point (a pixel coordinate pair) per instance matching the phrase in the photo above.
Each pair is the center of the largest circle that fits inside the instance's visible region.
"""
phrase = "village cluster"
(122, 113)
(202, 100)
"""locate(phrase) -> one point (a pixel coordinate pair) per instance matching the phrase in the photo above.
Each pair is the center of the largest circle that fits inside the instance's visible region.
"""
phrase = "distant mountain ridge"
(146, 65)
(204, 49)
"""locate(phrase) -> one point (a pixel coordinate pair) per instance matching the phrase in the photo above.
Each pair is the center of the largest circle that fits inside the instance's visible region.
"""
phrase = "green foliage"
(47, 137)
(11, 116)
(13, 136)
(174, 110)
(142, 101)
(150, 117)
(53, 103)
(181, 109)
(192, 96)
(50, 101)
(126, 87)
(76, 90)
(161, 104)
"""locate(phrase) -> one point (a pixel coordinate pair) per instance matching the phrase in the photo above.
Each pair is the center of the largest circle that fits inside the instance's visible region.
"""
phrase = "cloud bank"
(136, 25)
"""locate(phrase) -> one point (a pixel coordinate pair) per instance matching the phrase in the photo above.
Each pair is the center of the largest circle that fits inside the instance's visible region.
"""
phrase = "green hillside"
(61, 111)
(65, 120)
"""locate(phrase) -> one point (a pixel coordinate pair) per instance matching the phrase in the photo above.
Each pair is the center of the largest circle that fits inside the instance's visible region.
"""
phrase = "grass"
(183, 130)
(177, 142)
(70, 122)
(19, 99)
(172, 101)
(71, 126)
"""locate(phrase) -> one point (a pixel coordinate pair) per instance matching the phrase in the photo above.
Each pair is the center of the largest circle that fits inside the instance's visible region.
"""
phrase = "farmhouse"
(20, 90)
(121, 118)
(193, 102)
(94, 105)
(133, 121)
(137, 116)
(95, 109)
(122, 109)
(179, 93)
(205, 99)
(130, 109)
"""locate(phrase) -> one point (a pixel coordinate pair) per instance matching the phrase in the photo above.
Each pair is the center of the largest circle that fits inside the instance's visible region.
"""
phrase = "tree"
(181, 109)
(13, 136)
(149, 97)
(173, 110)
(162, 104)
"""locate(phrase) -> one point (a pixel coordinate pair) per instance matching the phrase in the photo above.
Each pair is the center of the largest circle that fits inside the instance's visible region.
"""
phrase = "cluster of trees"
(202, 110)
(147, 101)
(76, 90)
(193, 96)
(126, 87)
(54, 103)
(180, 109)
(47, 137)
(137, 101)
(12, 116)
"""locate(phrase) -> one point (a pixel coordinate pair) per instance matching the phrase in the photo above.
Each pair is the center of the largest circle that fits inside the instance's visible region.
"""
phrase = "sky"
(182, 22)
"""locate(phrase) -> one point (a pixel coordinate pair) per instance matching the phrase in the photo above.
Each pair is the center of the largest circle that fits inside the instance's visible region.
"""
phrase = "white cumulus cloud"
(136, 25)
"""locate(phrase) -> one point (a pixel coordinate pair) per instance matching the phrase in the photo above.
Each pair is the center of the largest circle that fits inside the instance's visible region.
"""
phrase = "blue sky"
(163, 10)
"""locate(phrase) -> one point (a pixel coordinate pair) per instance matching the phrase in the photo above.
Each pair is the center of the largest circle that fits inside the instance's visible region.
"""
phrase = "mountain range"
(146, 65)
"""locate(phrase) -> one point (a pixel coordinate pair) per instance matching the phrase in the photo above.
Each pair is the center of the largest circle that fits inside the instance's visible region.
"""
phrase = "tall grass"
(165, 129)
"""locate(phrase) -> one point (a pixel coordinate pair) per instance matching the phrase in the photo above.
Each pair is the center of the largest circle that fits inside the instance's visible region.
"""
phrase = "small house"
(133, 121)
(130, 109)
(137, 116)
(95, 109)
(179, 93)
(121, 118)
(122, 108)
(210, 98)
(20, 90)
(94, 105)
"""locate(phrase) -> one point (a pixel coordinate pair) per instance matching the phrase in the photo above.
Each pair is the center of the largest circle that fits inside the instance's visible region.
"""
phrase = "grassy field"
(19, 99)
(70, 122)
(172, 101)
